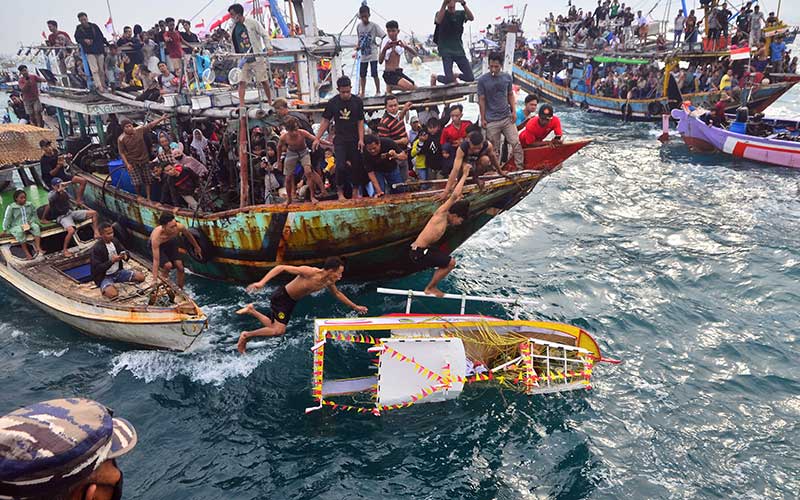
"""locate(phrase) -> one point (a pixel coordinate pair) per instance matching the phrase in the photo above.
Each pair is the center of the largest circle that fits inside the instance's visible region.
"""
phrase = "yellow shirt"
(725, 83)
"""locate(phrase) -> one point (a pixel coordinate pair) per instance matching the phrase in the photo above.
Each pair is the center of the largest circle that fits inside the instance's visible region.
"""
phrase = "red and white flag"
(109, 25)
(508, 6)
(740, 53)
(201, 24)
(498, 18)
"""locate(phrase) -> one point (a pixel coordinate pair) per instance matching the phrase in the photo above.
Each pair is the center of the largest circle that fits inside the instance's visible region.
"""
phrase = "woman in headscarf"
(199, 146)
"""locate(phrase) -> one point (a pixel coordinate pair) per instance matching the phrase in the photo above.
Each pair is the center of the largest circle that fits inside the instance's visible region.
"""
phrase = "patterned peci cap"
(49, 447)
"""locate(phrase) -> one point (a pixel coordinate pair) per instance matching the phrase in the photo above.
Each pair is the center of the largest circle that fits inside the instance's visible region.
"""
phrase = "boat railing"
(517, 304)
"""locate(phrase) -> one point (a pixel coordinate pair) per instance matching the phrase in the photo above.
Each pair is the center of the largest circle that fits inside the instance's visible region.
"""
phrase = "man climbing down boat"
(476, 154)
(423, 251)
(108, 263)
(165, 249)
(59, 209)
(307, 280)
(293, 145)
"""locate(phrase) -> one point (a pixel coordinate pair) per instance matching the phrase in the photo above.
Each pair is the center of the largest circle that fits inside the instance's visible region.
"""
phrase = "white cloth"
(199, 145)
(399, 50)
(112, 252)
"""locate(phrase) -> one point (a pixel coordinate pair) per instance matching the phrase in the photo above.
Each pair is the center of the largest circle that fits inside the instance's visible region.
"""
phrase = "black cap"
(44, 143)
(546, 111)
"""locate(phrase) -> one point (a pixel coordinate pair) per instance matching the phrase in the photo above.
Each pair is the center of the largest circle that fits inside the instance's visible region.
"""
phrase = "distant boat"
(702, 137)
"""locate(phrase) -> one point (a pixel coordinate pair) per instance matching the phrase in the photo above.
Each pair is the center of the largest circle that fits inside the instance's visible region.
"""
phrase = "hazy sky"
(26, 25)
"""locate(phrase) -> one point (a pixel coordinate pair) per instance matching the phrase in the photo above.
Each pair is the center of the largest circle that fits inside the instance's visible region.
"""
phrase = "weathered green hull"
(373, 235)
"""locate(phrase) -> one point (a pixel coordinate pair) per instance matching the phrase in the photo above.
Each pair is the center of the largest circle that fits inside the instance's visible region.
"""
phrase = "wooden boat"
(61, 287)
(758, 98)
(427, 358)
(373, 234)
(705, 138)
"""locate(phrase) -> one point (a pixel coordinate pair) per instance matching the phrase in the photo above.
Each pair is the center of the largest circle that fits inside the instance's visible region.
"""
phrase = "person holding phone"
(107, 263)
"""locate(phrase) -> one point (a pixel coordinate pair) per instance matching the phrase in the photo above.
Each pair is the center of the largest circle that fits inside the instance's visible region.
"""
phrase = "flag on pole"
(109, 25)
(740, 53)
(508, 6)
(498, 18)
(201, 24)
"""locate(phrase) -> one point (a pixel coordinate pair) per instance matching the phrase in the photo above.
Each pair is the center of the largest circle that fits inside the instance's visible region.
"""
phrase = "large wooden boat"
(428, 358)
(159, 316)
(373, 234)
(703, 137)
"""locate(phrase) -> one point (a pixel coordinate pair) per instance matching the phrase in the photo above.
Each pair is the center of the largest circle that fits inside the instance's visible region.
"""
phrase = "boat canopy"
(621, 60)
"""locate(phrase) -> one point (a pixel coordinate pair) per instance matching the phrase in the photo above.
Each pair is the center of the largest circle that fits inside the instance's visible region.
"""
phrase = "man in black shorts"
(391, 51)
(424, 253)
(307, 280)
(165, 249)
(368, 32)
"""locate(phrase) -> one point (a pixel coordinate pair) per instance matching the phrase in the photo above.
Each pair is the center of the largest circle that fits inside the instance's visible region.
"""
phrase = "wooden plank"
(104, 107)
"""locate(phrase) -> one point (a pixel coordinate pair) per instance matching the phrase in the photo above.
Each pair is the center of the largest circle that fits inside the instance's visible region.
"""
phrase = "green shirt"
(450, 31)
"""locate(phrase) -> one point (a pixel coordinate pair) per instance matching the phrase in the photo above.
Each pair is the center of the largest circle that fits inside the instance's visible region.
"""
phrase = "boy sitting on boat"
(59, 209)
(19, 219)
(107, 263)
(424, 252)
(307, 280)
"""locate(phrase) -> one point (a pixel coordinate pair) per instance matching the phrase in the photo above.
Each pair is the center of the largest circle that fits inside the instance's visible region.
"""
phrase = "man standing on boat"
(250, 36)
(424, 252)
(347, 113)
(368, 32)
(497, 104)
(29, 87)
(447, 36)
(108, 263)
(135, 154)
(308, 280)
(93, 42)
(166, 250)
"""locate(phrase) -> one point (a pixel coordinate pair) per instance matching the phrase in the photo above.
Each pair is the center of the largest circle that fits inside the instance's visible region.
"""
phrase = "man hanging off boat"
(424, 252)
(166, 250)
(307, 280)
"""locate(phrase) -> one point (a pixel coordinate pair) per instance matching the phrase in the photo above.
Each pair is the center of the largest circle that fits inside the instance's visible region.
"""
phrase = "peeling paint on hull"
(372, 234)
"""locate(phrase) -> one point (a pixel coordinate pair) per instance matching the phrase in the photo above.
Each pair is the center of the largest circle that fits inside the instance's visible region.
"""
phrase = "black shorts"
(429, 257)
(394, 76)
(281, 305)
(373, 66)
(169, 252)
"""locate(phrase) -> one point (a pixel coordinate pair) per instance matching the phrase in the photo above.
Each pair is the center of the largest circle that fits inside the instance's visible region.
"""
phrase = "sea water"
(684, 266)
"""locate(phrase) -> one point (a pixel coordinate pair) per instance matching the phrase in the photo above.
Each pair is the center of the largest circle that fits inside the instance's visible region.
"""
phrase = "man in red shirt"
(58, 38)
(452, 136)
(174, 47)
(29, 87)
(539, 127)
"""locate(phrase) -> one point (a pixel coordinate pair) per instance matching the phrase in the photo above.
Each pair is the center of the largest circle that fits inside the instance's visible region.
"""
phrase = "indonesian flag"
(109, 24)
(481, 31)
(498, 18)
(201, 24)
(740, 53)
(508, 6)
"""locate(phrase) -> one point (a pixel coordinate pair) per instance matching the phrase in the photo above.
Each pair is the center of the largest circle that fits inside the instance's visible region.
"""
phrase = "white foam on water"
(207, 367)
(52, 352)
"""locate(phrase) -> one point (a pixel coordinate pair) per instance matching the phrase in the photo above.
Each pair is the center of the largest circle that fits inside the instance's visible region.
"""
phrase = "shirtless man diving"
(307, 280)
(423, 251)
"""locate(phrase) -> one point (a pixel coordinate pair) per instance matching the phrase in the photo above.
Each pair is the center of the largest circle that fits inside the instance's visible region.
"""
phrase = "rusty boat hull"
(373, 234)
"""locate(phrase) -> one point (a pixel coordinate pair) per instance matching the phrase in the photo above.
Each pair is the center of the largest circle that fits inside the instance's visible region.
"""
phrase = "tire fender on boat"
(203, 242)
(122, 234)
(655, 108)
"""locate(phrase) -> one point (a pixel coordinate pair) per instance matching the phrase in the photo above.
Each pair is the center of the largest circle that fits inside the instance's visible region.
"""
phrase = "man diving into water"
(424, 253)
(307, 280)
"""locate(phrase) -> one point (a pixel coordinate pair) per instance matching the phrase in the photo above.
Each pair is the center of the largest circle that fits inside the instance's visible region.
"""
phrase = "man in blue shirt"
(497, 104)
(776, 50)
(527, 111)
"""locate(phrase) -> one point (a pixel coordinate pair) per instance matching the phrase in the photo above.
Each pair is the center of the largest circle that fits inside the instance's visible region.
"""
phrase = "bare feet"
(434, 291)
(433, 80)
(248, 309)
(241, 346)
(314, 200)
(67, 253)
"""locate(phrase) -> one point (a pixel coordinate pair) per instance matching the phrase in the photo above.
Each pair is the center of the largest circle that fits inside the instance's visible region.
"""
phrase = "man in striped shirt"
(392, 126)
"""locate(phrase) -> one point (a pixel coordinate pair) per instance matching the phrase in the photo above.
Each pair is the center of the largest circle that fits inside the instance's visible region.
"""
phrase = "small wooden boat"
(427, 358)
(160, 316)
(700, 136)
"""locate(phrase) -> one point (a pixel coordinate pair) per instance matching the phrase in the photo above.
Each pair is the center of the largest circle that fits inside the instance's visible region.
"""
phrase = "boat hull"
(373, 235)
(638, 109)
(701, 137)
(153, 329)
(548, 156)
